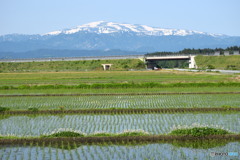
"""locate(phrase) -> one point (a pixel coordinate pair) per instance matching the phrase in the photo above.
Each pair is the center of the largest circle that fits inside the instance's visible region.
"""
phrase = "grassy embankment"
(83, 65)
(219, 62)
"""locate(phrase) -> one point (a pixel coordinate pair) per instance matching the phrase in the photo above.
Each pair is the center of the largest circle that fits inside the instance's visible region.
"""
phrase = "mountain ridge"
(103, 35)
(104, 27)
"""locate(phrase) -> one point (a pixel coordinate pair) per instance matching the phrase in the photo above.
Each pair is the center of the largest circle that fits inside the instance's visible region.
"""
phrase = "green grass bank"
(219, 62)
(83, 65)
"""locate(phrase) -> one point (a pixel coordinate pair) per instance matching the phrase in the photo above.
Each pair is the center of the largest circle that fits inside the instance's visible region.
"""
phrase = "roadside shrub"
(210, 66)
(140, 64)
(231, 67)
(125, 66)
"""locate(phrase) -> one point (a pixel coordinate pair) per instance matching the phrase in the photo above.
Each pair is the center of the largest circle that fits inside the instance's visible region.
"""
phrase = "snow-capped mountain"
(102, 27)
(103, 35)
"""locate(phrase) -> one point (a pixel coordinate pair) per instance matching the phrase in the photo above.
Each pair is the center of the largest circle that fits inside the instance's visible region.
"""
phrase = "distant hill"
(107, 36)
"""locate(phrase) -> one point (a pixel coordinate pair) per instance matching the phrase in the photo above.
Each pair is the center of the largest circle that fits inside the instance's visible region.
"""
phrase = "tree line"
(198, 51)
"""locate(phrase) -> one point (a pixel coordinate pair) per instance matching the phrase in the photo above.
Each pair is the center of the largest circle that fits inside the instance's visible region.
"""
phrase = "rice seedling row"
(23, 126)
(115, 94)
(120, 111)
(121, 90)
(123, 101)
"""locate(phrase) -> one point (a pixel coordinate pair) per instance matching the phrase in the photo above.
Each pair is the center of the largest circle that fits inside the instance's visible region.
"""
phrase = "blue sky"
(42, 16)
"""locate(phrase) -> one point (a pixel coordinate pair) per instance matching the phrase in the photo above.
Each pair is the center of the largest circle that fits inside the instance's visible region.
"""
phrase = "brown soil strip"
(127, 139)
(120, 111)
(116, 94)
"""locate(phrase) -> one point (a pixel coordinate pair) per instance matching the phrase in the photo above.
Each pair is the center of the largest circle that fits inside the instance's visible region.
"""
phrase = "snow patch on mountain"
(102, 27)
